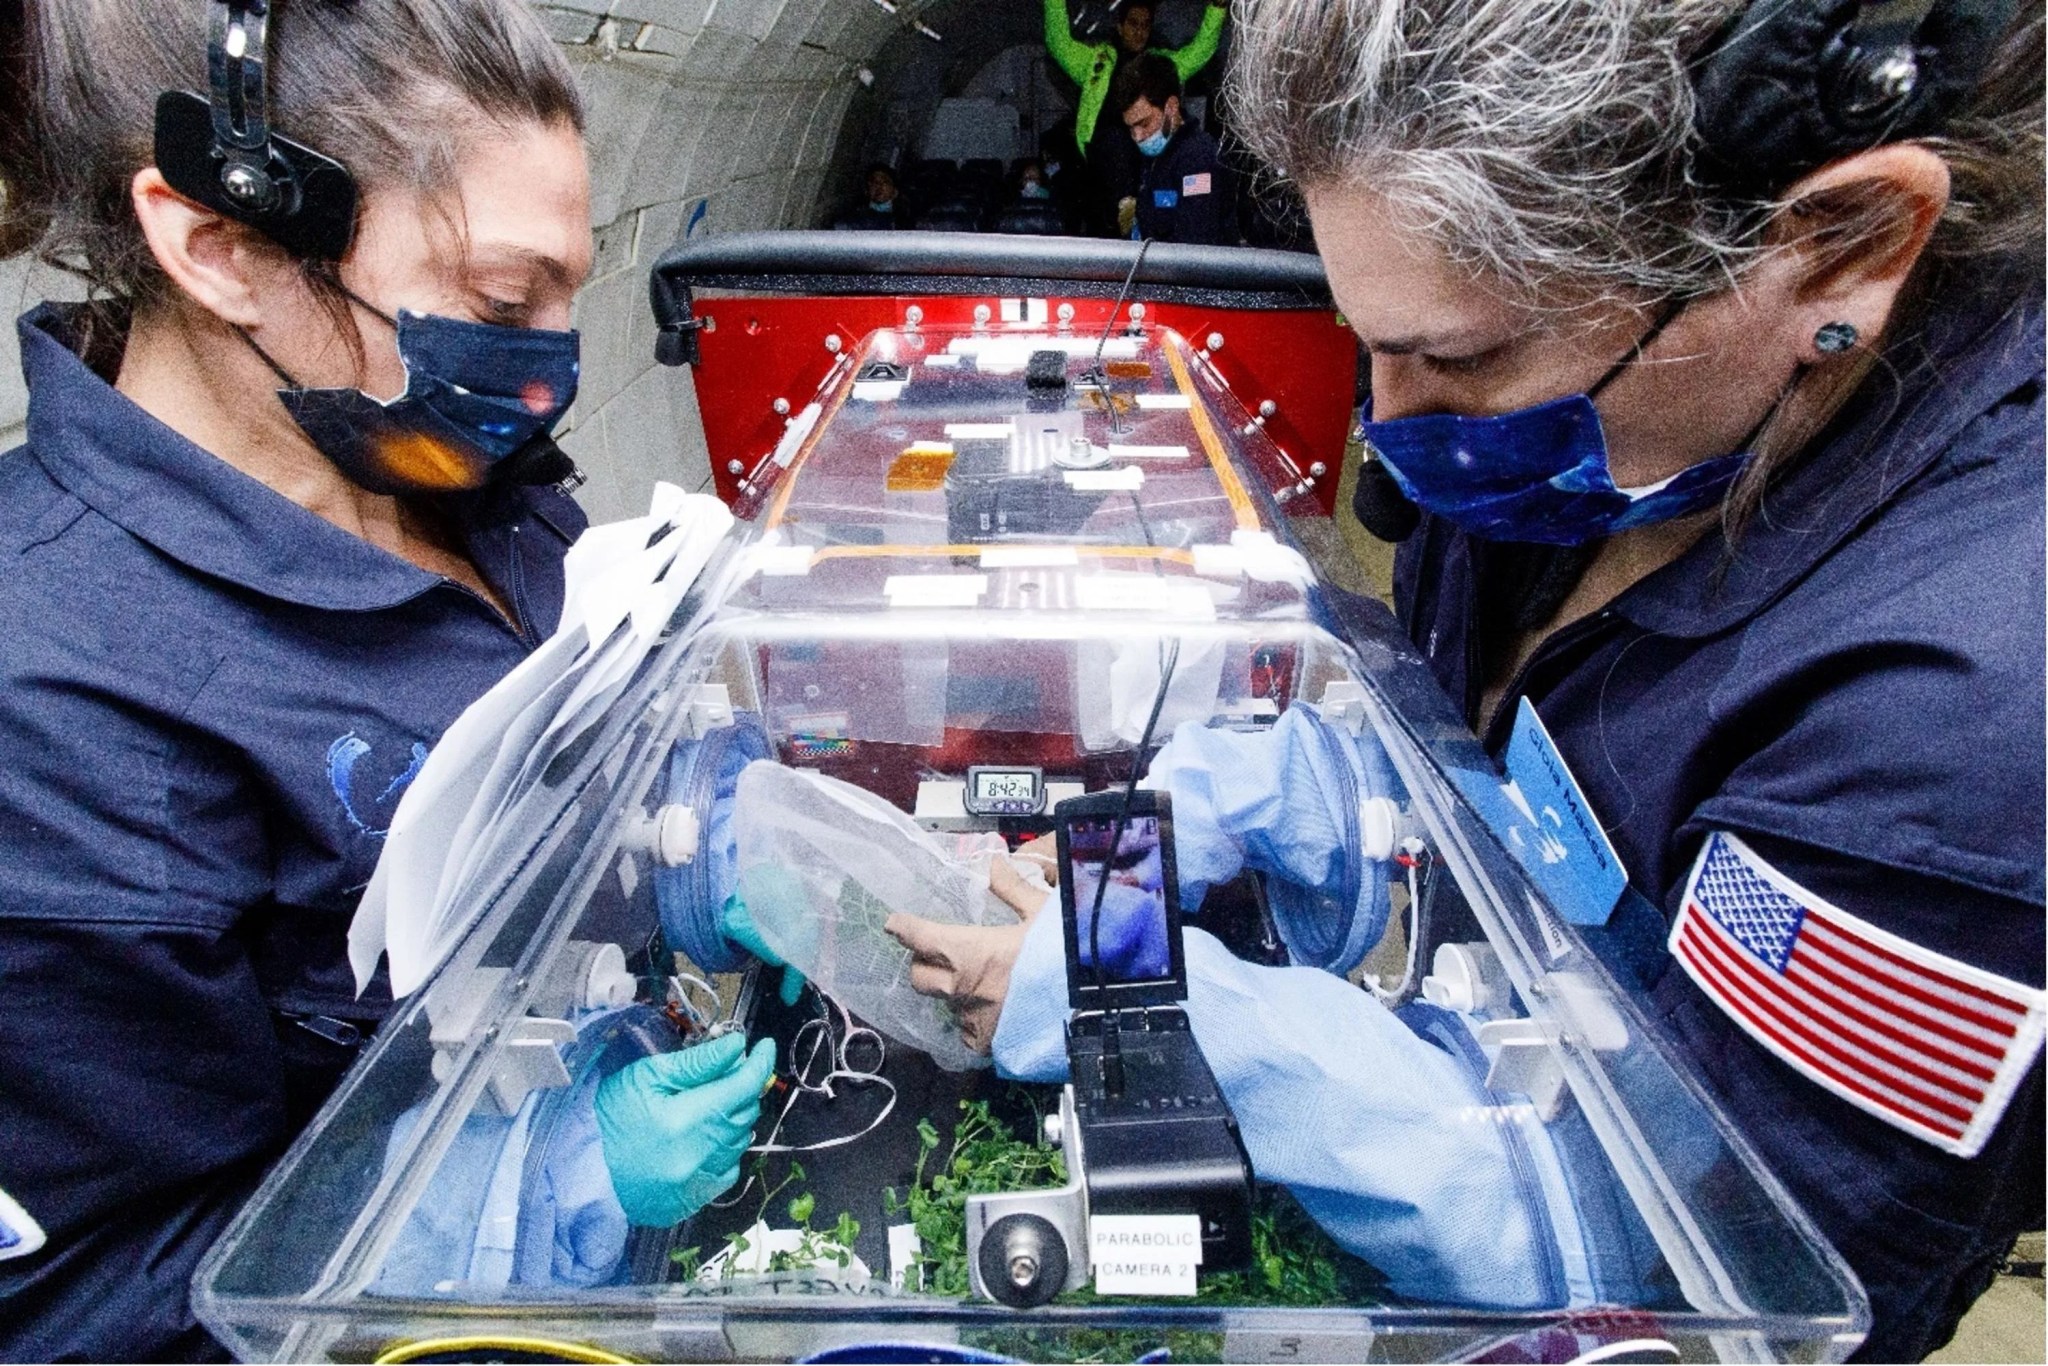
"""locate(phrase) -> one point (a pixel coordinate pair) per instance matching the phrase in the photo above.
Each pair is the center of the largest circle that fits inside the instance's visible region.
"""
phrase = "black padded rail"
(845, 263)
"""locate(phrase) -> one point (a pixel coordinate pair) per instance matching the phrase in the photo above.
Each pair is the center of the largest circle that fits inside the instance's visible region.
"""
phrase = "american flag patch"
(1922, 1041)
(1194, 184)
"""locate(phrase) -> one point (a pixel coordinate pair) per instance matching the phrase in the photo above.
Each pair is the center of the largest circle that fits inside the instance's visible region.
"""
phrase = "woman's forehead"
(1396, 286)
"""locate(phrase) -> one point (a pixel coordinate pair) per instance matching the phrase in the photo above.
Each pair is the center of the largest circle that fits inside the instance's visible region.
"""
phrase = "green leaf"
(801, 1207)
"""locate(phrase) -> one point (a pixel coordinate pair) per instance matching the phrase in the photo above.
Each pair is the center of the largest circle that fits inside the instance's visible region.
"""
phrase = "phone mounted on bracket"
(1143, 1125)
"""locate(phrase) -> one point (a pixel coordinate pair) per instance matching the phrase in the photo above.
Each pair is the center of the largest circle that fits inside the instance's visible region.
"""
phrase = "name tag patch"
(1923, 1041)
(1192, 185)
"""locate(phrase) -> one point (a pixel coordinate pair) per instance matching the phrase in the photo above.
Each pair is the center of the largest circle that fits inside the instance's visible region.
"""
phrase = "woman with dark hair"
(286, 507)
(1707, 402)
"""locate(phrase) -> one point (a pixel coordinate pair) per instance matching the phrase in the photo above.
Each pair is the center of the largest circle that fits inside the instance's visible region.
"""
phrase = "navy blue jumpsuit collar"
(1929, 386)
(188, 503)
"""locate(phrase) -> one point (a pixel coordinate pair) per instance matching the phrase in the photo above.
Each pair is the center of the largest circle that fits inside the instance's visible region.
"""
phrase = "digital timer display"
(1000, 791)
(993, 785)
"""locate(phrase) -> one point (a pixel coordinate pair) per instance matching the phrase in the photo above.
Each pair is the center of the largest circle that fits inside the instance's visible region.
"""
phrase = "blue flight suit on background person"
(211, 701)
(1855, 690)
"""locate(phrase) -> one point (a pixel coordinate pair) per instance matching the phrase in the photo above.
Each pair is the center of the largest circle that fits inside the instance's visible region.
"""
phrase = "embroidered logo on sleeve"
(1191, 185)
(1924, 1042)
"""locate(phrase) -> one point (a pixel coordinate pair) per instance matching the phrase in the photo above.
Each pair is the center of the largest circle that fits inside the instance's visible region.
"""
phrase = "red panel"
(760, 348)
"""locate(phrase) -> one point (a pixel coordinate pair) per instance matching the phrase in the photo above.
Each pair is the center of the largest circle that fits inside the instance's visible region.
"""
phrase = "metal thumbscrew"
(1023, 1270)
(246, 186)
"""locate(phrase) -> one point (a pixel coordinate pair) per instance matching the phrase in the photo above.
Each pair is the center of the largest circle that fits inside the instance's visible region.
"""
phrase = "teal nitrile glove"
(736, 923)
(675, 1126)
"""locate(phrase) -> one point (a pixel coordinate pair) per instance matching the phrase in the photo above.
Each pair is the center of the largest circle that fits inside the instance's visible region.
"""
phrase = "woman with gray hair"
(1706, 358)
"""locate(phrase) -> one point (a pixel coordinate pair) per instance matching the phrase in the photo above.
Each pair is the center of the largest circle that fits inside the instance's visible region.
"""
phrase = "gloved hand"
(1126, 215)
(968, 966)
(675, 1126)
(737, 924)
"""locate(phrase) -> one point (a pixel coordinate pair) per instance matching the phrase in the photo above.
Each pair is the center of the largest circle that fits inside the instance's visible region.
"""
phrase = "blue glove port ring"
(605, 1042)
(1333, 928)
(702, 775)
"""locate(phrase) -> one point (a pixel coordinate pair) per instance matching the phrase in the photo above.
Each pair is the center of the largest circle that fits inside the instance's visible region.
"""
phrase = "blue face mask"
(478, 405)
(1033, 190)
(1153, 145)
(1538, 474)
(882, 205)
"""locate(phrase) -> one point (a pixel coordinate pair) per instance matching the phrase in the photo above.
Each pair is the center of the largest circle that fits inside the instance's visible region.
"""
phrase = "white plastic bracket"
(707, 706)
(1523, 1059)
(1344, 704)
(530, 1057)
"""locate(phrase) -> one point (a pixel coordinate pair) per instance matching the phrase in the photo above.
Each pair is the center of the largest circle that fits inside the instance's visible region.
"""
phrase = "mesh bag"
(822, 864)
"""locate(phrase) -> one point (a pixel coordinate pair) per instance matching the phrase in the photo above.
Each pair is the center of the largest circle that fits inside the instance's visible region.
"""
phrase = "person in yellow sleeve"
(1094, 65)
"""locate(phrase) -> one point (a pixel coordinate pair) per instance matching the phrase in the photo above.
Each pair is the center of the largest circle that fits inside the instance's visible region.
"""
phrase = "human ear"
(221, 265)
(1855, 229)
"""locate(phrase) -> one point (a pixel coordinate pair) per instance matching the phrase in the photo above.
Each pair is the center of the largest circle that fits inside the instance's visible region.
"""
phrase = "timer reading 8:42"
(994, 790)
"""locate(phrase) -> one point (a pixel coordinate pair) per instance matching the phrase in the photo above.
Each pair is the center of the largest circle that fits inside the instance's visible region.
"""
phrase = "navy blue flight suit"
(210, 703)
(1183, 193)
(1855, 689)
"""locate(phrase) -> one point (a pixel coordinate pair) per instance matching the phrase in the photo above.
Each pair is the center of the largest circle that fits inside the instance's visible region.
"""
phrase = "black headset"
(1787, 86)
(220, 150)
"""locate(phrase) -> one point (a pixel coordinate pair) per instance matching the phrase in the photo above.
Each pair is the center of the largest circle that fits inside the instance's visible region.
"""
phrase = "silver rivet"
(1137, 312)
(981, 314)
(1268, 407)
(781, 405)
(733, 467)
(1215, 342)
(912, 316)
(832, 343)
(1318, 469)
(1066, 313)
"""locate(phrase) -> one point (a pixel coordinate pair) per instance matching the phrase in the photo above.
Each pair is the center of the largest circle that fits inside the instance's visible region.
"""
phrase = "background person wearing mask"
(882, 210)
(248, 586)
(1718, 428)
(1183, 193)
(1107, 158)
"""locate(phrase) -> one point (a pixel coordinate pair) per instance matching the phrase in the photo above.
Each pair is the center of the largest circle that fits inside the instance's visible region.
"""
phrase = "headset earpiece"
(1789, 85)
(222, 152)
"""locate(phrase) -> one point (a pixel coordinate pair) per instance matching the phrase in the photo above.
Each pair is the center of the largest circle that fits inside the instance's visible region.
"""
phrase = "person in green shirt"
(1093, 65)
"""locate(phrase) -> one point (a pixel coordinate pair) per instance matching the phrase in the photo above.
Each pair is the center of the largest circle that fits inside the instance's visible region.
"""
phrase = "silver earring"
(1834, 338)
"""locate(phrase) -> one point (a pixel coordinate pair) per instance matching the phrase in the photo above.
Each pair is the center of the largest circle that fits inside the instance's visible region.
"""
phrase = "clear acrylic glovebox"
(965, 562)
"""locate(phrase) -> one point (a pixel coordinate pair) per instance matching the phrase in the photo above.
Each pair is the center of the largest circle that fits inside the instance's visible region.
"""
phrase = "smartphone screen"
(1127, 940)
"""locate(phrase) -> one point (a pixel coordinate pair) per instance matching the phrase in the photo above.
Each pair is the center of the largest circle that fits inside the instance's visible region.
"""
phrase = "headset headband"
(222, 152)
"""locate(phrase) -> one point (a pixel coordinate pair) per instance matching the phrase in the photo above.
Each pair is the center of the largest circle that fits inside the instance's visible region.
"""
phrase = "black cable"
(1096, 374)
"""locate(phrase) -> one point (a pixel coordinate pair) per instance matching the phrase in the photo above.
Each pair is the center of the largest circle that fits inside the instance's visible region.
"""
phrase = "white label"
(1145, 1254)
(942, 362)
(776, 561)
(1028, 556)
(980, 431)
(1128, 479)
(935, 590)
(793, 435)
(1147, 452)
(1143, 593)
(1165, 401)
(879, 390)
